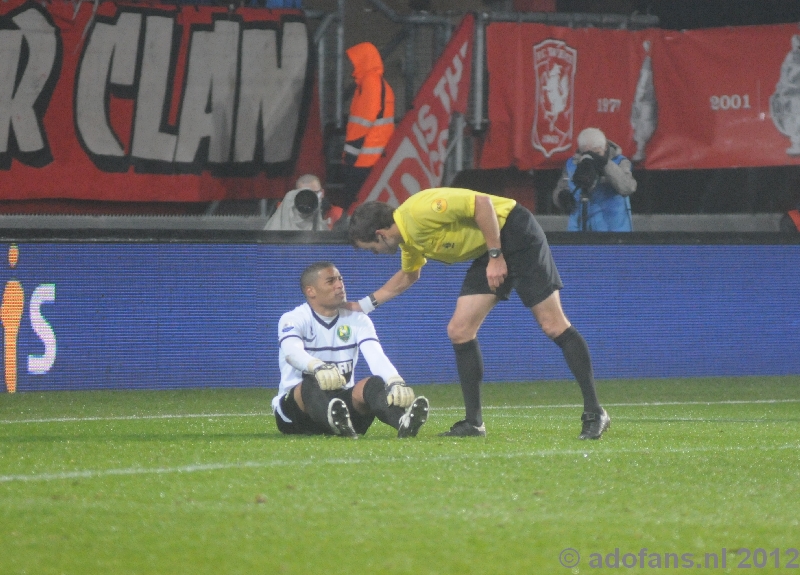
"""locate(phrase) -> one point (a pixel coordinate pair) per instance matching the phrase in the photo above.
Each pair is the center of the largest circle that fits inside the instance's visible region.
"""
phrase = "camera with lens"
(306, 201)
(586, 174)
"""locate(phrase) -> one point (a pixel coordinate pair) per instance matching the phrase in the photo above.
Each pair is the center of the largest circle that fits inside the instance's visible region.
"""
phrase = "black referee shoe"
(339, 419)
(594, 424)
(413, 418)
(465, 429)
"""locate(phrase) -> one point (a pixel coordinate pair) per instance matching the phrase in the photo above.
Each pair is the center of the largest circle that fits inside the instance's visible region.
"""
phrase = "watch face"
(494, 253)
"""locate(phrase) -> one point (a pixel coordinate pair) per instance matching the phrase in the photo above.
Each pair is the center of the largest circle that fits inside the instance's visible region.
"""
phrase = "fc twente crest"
(554, 65)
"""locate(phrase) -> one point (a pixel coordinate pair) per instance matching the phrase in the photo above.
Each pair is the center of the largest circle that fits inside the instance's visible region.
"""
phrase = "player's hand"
(398, 393)
(351, 305)
(496, 272)
(327, 375)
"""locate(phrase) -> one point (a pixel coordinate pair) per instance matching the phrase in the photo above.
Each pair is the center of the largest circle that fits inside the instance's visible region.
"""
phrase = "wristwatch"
(495, 253)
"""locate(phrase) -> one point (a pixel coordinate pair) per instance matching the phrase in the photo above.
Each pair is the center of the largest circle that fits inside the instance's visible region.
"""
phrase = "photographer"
(302, 209)
(595, 185)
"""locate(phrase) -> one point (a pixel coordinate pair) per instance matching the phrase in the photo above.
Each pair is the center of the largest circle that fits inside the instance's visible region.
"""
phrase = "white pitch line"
(135, 417)
(642, 404)
(202, 467)
(488, 407)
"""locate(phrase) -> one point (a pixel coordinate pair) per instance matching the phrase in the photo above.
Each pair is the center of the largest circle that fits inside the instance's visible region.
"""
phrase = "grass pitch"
(692, 474)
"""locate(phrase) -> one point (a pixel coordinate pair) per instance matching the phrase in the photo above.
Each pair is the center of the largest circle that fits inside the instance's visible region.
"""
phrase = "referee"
(510, 251)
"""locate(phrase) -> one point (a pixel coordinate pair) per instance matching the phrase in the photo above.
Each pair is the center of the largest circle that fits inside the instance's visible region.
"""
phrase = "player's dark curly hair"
(368, 218)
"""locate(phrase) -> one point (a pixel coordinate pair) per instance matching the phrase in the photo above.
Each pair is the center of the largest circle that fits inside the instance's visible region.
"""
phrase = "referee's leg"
(557, 327)
(462, 330)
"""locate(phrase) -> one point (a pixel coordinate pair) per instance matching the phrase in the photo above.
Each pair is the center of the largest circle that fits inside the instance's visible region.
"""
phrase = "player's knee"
(552, 324)
(458, 333)
(554, 328)
(374, 393)
(373, 382)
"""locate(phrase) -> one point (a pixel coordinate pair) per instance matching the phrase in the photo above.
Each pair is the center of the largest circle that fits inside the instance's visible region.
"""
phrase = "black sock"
(469, 362)
(375, 398)
(576, 352)
(315, 401)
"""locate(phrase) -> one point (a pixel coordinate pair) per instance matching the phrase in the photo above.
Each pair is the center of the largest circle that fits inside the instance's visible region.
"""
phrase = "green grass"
(200, 482)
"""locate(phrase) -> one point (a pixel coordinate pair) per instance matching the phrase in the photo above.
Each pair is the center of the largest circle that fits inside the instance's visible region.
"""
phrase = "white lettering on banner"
(40, 364)
(270, 93)
(411, 167)
(208, 98)
(149, 142)
(237, 93)
(730, 102)
(240, 104)
(452, 76)
(24, 100)
(109, 57)
(608, 105)
(405, 171)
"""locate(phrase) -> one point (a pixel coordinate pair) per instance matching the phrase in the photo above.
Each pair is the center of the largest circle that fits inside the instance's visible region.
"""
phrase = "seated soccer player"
(319, 349)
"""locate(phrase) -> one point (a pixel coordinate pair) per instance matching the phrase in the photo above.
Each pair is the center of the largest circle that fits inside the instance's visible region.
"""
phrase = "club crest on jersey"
(439, 205)
(343, 332)
(554, 65)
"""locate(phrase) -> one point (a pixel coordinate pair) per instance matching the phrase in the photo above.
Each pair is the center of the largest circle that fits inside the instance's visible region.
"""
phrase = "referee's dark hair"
(368, 218)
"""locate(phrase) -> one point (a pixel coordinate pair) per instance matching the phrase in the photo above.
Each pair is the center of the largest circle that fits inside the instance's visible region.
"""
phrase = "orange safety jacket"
(371, 121)
(795, 215)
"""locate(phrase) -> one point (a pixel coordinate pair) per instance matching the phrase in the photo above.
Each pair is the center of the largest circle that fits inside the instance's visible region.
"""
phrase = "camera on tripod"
(586, 174)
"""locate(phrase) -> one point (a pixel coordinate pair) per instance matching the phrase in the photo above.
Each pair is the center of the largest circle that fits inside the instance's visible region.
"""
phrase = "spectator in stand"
(595, 186)
(371, 120)
(304, 208)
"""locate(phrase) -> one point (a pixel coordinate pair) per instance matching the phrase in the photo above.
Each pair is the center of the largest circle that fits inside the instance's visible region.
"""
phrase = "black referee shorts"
(301, 424)
(531, 269)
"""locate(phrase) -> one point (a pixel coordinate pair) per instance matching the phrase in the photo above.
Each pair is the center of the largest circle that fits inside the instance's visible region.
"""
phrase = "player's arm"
(486, 219)
(326, 374)
(396, 285)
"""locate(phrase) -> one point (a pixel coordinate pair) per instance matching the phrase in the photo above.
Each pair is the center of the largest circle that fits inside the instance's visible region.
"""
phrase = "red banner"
(154, 102)
(414, 158)
(713, 98)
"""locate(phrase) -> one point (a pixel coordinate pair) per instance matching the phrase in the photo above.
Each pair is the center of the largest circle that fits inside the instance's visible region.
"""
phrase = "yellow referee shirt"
(439, 223)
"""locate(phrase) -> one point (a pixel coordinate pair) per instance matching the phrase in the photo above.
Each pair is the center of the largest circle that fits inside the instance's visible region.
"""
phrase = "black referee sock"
(469, 362)
(576, 352)
(315, 400)
(375, 398)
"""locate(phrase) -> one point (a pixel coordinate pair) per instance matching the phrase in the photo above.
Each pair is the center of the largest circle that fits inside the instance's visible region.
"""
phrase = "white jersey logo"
(554, 66)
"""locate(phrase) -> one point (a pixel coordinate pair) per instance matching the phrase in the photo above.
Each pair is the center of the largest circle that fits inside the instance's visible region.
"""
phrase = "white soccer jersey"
(336, 341)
